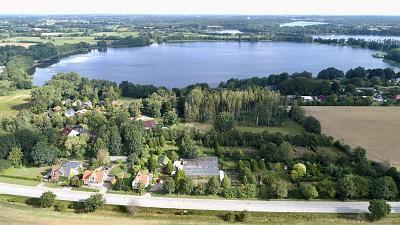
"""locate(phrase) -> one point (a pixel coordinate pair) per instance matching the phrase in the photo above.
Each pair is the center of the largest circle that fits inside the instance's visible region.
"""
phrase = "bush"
(47, 199)
(230, 217)
(242, 216)
(312, 125)
(60, 207)
(93, 203)
(379, 209)
(75, 183)
(308, 191)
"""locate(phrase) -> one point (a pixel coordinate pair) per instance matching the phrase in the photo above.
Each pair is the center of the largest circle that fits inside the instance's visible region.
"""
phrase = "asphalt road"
(199, 204)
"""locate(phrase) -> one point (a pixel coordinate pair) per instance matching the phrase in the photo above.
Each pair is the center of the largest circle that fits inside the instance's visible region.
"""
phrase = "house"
(93, 178)
(87, 104)
(291, 98)
(123, 159)
(68, 170)
(69, 113)
(142, 177)
(81, 112)
(144, 118)
(76, 103)
(320, 98)
(99, 177)
(57, 109)
(148, 124)
(307, 98)
(201, 167)
(163, 160)
(66, 131)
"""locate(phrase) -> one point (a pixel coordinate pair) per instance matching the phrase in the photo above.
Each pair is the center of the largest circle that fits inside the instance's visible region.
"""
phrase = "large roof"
(202, 166)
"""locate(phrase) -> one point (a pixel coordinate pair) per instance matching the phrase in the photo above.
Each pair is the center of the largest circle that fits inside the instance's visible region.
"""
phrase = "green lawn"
(15, 210)
(18, 181)
(84, 189)
(29, 172)
(287, 128)
(54, 40)
(16, 100)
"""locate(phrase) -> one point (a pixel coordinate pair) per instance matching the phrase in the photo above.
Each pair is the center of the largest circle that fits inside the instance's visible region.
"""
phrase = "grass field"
(15, 211)
(55, 40)
(16, 100)
(287, 127)
(376, 129)
(29, 172)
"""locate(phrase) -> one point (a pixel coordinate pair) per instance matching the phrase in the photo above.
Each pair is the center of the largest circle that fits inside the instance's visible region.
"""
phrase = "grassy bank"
(21, 210)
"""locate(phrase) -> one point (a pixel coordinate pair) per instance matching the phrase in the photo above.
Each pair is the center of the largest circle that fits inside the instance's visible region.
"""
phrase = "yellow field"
(377, 129)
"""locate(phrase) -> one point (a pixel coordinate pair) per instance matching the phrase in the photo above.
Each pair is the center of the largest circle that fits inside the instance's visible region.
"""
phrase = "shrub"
(230, 217)
(60, 207)
(47, 199)
(312, 125)
(93, 203)
(242, 216)
(379, 209)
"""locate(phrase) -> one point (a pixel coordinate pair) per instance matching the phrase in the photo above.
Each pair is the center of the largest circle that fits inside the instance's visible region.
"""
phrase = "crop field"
(376, 129)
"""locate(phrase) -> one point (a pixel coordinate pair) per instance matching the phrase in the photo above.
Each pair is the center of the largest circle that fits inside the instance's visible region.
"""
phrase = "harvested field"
(377, 129)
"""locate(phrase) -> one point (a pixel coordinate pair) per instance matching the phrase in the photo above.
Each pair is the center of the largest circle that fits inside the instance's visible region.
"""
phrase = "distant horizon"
(203, 7)
(177, 14)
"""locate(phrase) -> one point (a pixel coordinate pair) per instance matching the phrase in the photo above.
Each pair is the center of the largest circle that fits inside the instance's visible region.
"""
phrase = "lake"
(180, 64)
(302, 24)
(365, 37)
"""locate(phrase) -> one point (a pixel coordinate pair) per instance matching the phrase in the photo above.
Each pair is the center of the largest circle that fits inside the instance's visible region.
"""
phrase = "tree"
(312, 125)
(43, 154)
(383, 188)
(47, 199)
(213, 186)
(298, 171)
(379, 208)
(308, 191)
(153, 164)
(93, 203)
(187, 147)
(327, 189)
(347, 188)
(15, 156)
(297, 113)
(279, 188)
(170, 167)
(224, 122)
(169, 186)
(170, 118)
(102, 156)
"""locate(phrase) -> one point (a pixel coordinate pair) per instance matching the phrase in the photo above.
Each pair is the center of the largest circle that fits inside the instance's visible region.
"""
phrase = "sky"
(259, 7)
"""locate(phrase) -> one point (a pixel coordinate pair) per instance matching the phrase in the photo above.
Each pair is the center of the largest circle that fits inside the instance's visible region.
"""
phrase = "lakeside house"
(201, 167)
(68, 170)
(142, 177)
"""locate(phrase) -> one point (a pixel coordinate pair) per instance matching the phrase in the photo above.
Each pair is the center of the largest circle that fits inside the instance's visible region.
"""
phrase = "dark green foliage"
(169, 186)
(44, 154)
(379, 209)
(224, 122)
(312, 125)
(383, 188)
(213, 186)
(326, 189)
(93, 203)
(47, 199)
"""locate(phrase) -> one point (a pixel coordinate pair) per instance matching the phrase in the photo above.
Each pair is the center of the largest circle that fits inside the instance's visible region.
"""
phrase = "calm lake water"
(365, 37)
(301, 24)
(180, 64)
